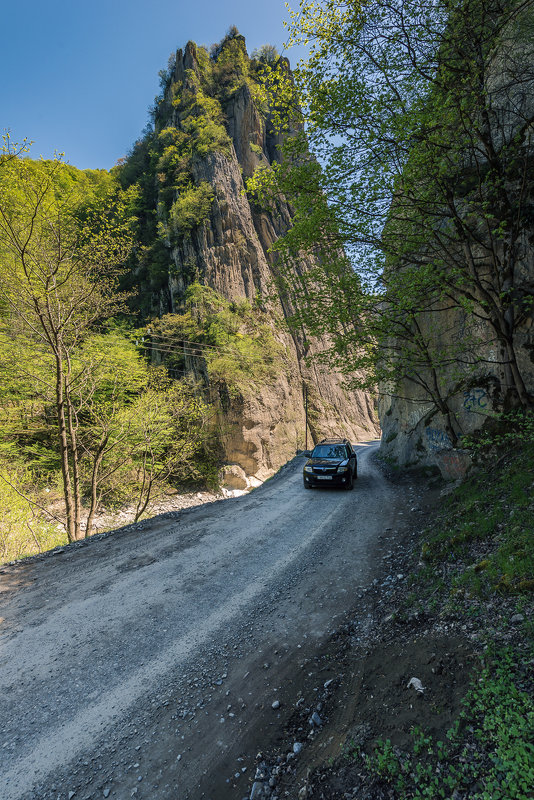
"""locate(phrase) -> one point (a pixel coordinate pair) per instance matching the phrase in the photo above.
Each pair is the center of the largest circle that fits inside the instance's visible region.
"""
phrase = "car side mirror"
(307, 453)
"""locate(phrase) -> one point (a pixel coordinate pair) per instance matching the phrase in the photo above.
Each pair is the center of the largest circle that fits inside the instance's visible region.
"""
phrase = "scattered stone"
(106, 792)
(275, 705)
(328, 683)
(416, 684)
(303, 793)
(516, 619)
(297, 747)
(256, 793)
(71, 795)
(316, 720)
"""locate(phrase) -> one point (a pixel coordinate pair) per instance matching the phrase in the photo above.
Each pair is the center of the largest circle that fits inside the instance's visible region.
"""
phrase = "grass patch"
(488, 526)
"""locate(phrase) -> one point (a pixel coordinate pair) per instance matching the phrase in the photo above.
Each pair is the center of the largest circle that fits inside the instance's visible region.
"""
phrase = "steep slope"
(212, 130)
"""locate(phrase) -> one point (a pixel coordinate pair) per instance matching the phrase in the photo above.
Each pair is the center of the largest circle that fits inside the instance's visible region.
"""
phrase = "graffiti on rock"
(475, 400)
(438, 439)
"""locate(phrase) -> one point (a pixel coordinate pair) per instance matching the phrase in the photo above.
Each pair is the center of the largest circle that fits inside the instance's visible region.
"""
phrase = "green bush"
(22, 531)
(191, 208)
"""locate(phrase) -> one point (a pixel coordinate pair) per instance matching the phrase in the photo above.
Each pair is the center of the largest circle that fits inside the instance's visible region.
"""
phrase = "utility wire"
(172, 343)
(177, 339)
(169, 350)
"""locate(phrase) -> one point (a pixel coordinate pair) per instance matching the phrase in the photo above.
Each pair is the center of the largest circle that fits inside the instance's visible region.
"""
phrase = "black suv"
(332, 462)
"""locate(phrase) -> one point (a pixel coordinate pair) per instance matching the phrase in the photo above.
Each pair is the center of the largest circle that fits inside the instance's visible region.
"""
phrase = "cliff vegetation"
(421, 114)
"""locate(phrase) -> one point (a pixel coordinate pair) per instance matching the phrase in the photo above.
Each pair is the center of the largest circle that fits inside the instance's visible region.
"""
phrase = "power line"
(184, 351)
(186, 342)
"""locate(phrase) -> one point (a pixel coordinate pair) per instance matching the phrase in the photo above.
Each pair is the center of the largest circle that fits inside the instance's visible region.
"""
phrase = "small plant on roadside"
(488, 751)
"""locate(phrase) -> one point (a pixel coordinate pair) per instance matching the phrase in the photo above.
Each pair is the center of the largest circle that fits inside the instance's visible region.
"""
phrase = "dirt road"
(146, 664)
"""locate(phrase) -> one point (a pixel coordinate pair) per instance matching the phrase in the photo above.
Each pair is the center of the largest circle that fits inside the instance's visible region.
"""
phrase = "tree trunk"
(142, 504)
(75, 462)
(64, 450)
(94, 485)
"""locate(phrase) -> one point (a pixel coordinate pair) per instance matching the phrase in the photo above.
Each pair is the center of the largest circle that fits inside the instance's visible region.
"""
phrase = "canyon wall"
(483, 329)
(212, 130)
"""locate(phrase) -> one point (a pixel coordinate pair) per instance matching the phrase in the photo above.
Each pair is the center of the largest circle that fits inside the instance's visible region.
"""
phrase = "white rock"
(416, 684)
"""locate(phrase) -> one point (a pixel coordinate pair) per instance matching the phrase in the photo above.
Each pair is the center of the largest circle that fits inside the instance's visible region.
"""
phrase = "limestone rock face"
(229, 252)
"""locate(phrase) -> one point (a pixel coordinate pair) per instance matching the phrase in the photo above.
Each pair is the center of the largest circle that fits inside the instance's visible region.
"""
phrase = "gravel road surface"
(145, 664)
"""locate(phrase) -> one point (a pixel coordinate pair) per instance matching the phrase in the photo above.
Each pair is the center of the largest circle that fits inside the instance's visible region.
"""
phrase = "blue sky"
(78, 77)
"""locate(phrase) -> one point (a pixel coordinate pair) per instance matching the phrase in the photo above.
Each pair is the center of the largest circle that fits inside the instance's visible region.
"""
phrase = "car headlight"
(308, 469)
(342, 469)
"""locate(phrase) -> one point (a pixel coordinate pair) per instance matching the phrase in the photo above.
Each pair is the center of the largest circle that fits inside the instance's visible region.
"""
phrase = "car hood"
(326, 462)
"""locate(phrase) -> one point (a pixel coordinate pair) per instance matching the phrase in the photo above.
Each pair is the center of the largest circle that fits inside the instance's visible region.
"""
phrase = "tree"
(420, 117)
(167, 431)
(60, 258)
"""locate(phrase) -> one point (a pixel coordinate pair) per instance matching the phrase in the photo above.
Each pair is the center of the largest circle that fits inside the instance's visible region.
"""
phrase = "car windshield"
(329, 451)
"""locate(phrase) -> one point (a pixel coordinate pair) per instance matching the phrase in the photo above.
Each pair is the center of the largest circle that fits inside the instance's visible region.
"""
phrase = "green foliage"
(237, 345)
(79, 404)
(158, 440)
(138, 434)
(411, 184)
(479, 546)
(167, 200)
(22, 531)
(499, 513)
(191, 208)
(267, 53)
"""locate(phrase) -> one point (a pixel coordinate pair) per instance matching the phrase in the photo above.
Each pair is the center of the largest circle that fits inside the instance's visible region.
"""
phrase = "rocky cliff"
(197, 227)
(479, 322)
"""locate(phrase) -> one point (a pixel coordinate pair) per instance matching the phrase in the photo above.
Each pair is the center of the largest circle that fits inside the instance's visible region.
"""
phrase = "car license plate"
(324, 477)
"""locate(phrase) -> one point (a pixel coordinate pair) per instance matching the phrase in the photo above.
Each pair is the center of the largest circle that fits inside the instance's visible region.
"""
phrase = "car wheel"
(306, 485)
(350, 484)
